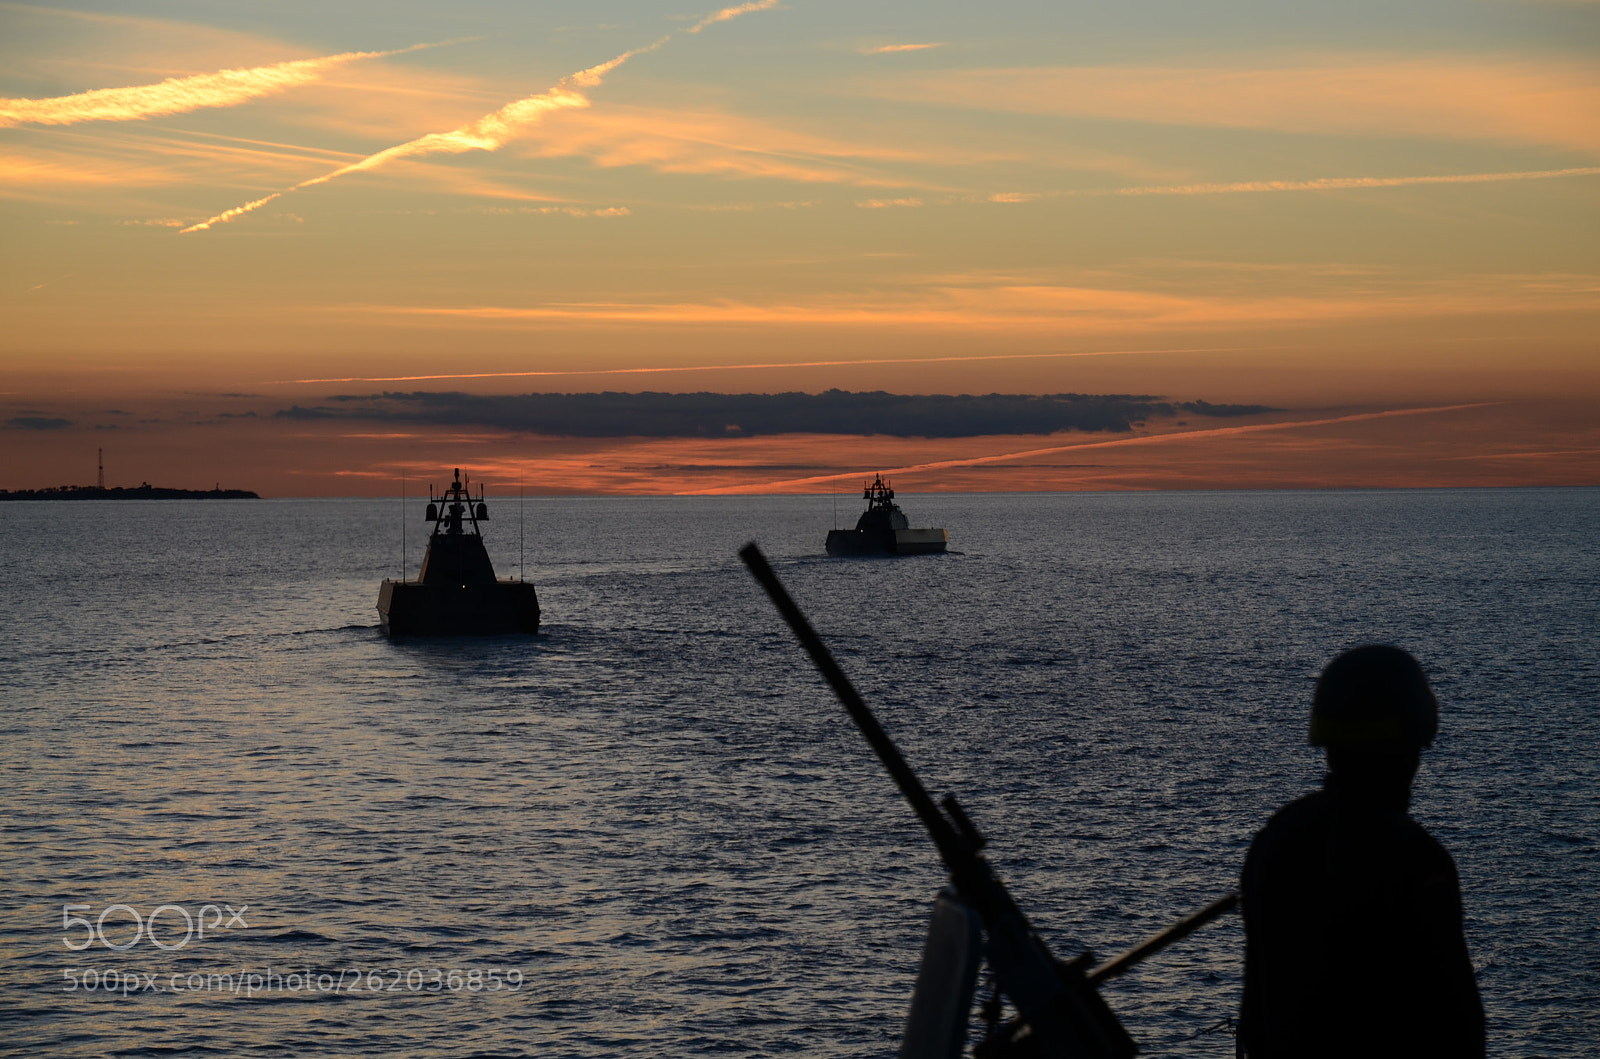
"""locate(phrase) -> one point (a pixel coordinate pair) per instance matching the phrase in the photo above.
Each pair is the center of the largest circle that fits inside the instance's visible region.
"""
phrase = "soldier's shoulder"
(1306, 811)
(1300, 822)
(1423, 847)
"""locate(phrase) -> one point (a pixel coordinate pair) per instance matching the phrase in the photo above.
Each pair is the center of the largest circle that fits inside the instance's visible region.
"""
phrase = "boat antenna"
(520, 575)
(402, 523)
(101, 484)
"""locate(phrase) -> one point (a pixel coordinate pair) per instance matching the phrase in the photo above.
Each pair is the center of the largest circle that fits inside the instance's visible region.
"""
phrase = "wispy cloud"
(492, 131)
(1344, 183)
(772, 364)
(1464, 98)
(488, 133)
(652, 414)
(889, 49)
(731, 12)
(887, 204)
(178, 95)
(706, 141)
(984, 304)
(1176, 437)
(1320, 184)
(37, 423)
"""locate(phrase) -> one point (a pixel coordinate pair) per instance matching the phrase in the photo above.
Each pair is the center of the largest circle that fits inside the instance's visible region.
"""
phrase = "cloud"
(492, 131)
(37, 423)
(979, 303)
(1549, 103)
(676, 140)
(1177, 437)
(963, 358)
(732, 12)
(178, 95)
(889, 49)
(723, 415)
(1348, 183)
(1319, 184)
(488, 133)
(885, 204)
(51, 171)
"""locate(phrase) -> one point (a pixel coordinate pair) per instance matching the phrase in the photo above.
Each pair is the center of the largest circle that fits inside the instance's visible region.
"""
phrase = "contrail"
(731, 12)
(1321, 184)
(1341, 183)
(1147, 439)
(776, 364)
(492, 131)
(176, 95)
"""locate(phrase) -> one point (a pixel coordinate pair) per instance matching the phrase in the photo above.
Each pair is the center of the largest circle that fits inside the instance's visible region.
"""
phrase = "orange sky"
(1334, 212)
(1480, 444)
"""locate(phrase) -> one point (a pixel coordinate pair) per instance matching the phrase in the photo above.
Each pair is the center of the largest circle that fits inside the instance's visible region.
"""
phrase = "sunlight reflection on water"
(656, 814)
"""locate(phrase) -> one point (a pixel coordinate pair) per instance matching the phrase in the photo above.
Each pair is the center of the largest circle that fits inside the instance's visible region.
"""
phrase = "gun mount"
(1060, 1013)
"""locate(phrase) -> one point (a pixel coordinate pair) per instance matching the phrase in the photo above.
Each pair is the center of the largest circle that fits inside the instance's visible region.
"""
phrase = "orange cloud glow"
(1549, 104)
(979, 304)
(493, 131)
(1185, 436)
(673, 140)
(771, 365)
(49, 171)
(178, 95)
(1433, 445)
(1321, 184)
(488, 133)
(732, 12)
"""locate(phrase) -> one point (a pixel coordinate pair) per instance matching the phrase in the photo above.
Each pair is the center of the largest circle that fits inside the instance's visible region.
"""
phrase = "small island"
(145, 491)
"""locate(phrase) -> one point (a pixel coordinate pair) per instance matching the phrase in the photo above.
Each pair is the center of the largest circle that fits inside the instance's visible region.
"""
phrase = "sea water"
(651, 829)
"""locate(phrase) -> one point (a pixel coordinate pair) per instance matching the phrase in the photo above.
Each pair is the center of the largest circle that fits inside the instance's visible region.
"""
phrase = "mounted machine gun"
(1059, 1010)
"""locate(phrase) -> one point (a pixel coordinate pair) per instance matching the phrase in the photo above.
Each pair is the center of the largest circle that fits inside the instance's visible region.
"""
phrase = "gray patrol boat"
(884, 530)
(457, 594)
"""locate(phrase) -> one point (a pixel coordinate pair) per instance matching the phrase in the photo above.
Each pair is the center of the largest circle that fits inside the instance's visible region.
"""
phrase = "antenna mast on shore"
(100, 483)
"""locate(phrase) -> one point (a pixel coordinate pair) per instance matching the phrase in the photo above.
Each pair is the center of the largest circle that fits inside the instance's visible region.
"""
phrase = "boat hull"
(856, 542)
(411, 608)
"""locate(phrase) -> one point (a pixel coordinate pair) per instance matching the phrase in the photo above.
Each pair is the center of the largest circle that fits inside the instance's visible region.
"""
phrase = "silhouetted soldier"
(1352, 912)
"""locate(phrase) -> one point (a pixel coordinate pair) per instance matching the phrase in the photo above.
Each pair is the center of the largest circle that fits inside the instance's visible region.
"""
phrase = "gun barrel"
(1154, 944)
(1066, 1016)
(910, 786)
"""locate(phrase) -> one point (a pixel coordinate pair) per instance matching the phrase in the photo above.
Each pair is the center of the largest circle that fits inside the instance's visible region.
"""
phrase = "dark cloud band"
(735, 415)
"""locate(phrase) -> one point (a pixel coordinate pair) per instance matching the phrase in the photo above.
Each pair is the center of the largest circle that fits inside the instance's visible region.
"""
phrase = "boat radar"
(883, 529)
(457, 594)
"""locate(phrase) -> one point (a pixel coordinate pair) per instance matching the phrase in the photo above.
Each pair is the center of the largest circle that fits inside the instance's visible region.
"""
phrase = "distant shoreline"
(145, 491)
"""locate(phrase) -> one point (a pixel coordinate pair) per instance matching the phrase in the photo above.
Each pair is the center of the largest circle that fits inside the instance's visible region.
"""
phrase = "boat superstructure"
(457, 593)
(884, 530)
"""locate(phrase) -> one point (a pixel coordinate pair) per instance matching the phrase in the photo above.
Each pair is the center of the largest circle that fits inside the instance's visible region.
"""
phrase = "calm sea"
(654, 819)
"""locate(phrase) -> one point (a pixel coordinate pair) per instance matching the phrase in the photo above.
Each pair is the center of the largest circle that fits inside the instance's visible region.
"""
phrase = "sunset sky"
(1377, 219)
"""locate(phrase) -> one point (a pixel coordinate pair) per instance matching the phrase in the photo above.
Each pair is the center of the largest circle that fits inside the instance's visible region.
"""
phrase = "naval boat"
(457, 594)
(883, 529)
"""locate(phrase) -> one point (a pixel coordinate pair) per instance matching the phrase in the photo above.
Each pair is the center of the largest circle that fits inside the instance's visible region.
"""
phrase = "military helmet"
(1374, 696)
